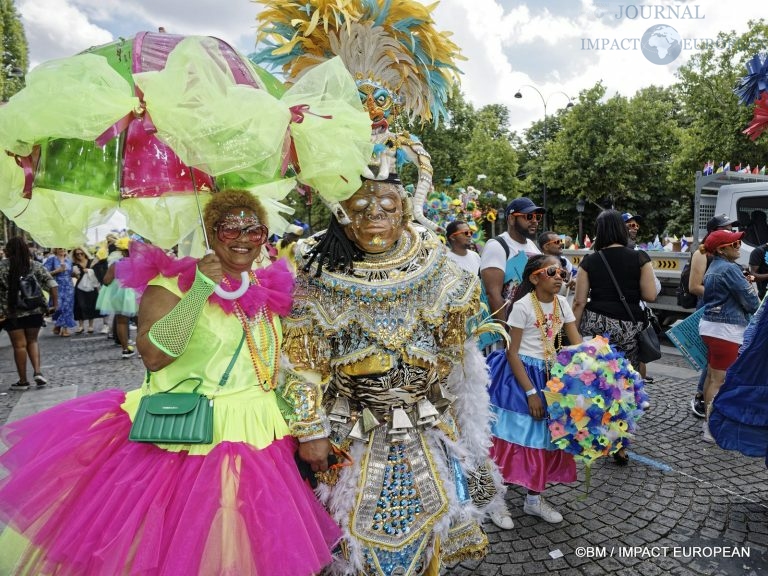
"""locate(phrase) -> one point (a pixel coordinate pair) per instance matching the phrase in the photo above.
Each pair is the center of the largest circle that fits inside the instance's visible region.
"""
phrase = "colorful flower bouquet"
(593, 398)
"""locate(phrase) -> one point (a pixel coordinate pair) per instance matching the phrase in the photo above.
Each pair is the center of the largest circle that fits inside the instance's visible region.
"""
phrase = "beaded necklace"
(265, 367)
(550, 340)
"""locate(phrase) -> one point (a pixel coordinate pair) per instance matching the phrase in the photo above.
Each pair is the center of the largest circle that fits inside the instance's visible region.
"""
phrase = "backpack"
(30, 294)
(504, 245)
(684, 298)
(509, 287)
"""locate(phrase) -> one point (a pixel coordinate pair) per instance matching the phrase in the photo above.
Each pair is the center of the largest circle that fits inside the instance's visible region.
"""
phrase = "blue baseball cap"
(627, 217)
(522, 205)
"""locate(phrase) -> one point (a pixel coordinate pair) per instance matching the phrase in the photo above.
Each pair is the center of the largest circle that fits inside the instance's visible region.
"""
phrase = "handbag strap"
(616, 285)
(224, 377)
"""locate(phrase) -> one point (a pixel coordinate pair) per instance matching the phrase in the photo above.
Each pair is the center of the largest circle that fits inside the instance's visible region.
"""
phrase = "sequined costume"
(380, 360)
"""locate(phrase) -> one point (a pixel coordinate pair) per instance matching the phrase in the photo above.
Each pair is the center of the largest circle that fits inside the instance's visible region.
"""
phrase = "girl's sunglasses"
(736, 244)
(467, 233)
(553, 271)
(633, 226)
(535, 216)
(256, 233)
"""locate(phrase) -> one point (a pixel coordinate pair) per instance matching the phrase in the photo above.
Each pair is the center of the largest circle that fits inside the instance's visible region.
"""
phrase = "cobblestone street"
(681, 507)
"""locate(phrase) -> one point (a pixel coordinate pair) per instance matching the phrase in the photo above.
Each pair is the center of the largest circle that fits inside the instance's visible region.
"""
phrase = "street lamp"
(580, 205)
(545, 102)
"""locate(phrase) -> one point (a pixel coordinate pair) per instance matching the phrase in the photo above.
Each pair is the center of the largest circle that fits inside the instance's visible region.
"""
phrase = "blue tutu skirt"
(522, 446)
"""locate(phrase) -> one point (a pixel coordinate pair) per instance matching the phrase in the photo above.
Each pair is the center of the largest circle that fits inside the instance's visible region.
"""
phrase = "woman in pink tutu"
(82, 499)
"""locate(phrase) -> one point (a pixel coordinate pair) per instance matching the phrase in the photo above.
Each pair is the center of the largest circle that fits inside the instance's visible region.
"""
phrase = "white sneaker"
(105, 329)
(706, 435)
(502, 519)
(543, 511)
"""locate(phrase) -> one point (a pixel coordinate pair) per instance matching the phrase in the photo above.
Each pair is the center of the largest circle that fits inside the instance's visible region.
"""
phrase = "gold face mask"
(376, 215)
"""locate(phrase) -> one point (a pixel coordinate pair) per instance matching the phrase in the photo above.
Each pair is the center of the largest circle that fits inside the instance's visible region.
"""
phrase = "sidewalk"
(681, 507)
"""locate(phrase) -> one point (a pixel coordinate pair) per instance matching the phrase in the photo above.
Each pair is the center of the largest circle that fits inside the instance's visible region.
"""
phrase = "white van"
(747, 203)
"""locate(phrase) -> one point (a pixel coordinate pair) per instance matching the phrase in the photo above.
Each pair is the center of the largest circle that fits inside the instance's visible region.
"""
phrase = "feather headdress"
(391, 42)
(400, 62)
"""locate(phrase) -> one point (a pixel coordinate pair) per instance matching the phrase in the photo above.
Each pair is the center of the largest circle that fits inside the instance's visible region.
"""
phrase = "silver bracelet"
(530, 392)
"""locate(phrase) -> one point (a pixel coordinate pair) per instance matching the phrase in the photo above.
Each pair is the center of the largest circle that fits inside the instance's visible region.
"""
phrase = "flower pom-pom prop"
(592, 400)
(755, 83)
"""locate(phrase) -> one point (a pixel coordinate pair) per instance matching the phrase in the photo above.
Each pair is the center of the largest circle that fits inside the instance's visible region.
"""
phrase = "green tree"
(610, 152)
(712, 118)
(587, 159)
(14, 60)
(490, 152)
(532, 152)
(446, 141)
(310, 209)
(650, 135)
(13, 65)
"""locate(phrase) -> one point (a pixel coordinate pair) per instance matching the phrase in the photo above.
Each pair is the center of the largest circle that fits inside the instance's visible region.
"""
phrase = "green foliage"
(13, 59)
(712, 118)
(14, 52)
(490, 152)
(640, 154)
(445, 142)
(310, 209)
(588, 156)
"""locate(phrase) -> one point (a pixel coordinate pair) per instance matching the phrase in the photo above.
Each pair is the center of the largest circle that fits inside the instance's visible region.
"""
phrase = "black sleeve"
(642, 258)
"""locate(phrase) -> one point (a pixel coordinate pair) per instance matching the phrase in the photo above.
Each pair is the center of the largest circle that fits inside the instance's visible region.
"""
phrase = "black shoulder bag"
(647, 340)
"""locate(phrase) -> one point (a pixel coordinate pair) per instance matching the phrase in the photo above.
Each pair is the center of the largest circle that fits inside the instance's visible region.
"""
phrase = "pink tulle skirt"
(532, 468)
(90, 502)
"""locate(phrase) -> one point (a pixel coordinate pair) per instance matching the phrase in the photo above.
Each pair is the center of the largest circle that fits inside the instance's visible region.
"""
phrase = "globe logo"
(661, 44)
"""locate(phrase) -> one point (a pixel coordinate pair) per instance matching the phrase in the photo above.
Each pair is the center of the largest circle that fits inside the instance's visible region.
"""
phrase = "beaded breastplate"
(408, 304)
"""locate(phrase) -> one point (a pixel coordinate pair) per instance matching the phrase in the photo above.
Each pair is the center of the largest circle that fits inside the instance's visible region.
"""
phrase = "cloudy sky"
(556, 46)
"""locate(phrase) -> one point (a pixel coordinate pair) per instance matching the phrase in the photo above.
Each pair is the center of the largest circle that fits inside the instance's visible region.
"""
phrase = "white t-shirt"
(729, 332)
(469, 262)
(523, 316)
(493, 253)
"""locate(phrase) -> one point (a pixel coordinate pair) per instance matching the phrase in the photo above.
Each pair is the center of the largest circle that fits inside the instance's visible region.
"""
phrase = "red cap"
(720, 238)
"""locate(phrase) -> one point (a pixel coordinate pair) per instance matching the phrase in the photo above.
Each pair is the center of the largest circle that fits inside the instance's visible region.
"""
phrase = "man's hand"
(315, 453)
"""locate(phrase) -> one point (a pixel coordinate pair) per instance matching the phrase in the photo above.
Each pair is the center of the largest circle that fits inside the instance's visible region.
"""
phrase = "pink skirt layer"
(532, 468)
(93, 503)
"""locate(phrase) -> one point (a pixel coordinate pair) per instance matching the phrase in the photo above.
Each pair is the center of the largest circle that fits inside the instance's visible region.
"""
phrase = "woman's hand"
(210, 266)
(315, 453)
(536, 407)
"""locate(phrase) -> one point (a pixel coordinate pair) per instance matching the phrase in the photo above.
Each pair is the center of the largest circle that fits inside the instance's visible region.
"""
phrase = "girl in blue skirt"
(522, 446)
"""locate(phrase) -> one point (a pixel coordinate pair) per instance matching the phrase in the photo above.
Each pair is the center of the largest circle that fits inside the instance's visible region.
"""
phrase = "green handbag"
(177, 418)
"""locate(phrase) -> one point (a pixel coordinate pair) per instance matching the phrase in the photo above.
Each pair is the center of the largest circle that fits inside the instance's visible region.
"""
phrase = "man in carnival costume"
(377, 348)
